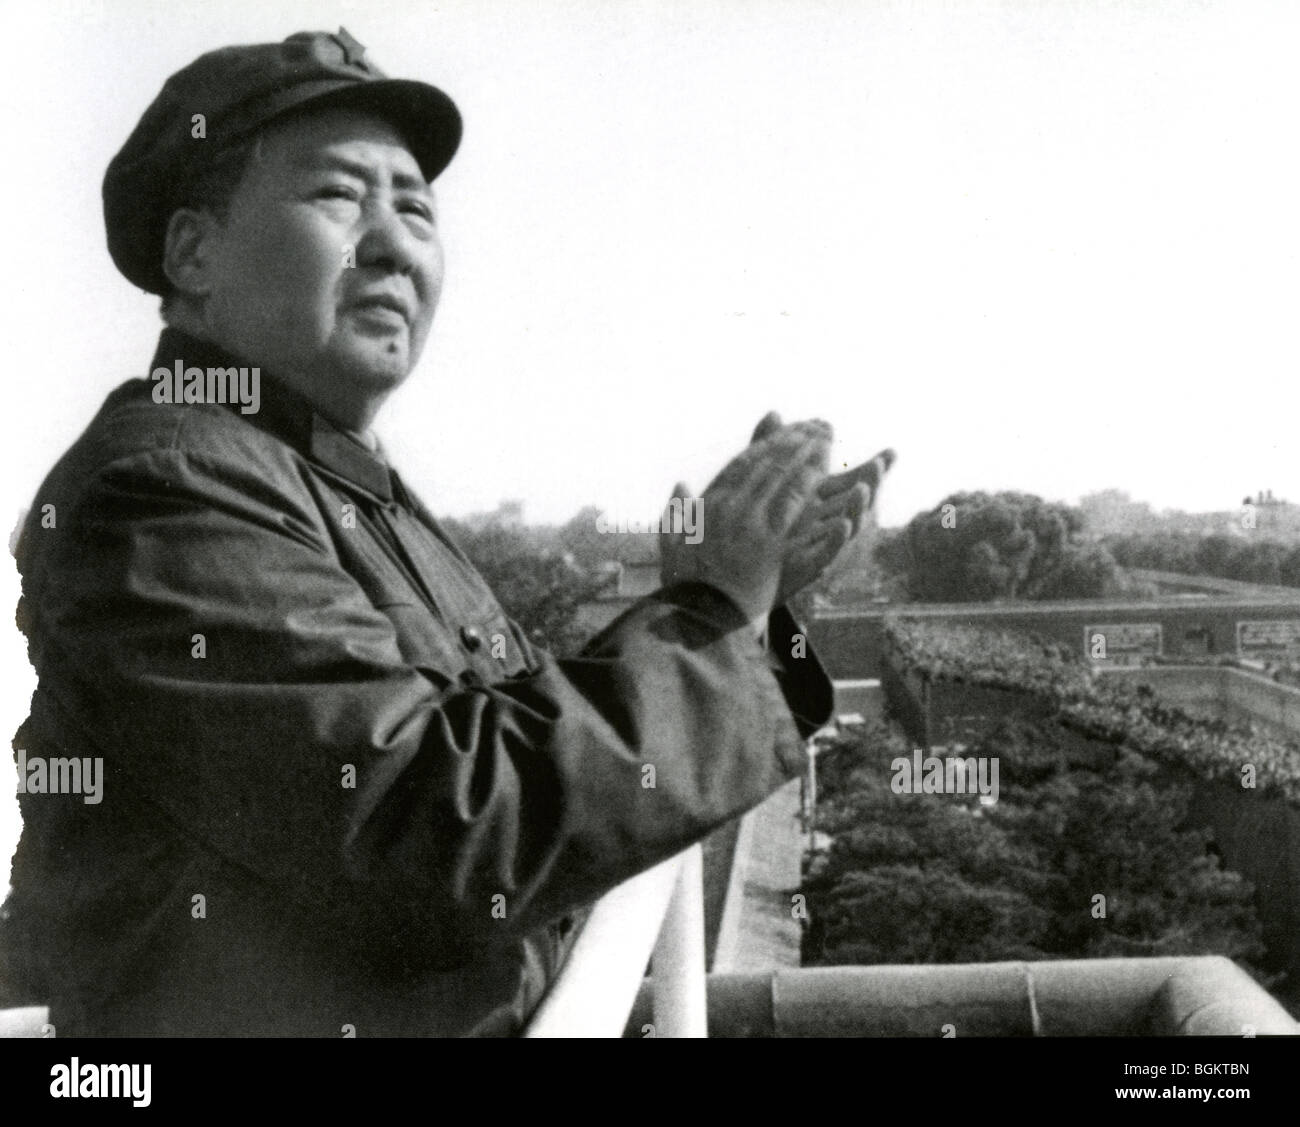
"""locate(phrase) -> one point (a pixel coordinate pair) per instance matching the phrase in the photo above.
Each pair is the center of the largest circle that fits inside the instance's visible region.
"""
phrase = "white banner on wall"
(1122, 643)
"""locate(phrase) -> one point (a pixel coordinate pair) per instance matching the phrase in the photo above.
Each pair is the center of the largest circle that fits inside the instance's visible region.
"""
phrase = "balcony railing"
(657, 917)
(603, 992)
(657, 920)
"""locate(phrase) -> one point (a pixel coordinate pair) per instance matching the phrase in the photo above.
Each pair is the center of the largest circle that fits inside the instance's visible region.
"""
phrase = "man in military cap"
(339, 786)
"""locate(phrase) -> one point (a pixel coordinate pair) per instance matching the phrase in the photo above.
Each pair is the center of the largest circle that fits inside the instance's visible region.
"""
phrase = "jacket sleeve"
(209, 644)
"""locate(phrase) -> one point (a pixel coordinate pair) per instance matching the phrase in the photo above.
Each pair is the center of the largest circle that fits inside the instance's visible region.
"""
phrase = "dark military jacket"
(340, 787)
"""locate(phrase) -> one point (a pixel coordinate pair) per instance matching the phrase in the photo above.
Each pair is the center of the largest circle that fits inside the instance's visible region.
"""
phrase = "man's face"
(328, 266)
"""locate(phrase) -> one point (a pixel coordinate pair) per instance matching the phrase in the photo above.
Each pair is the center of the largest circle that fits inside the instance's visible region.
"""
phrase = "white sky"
(1049, 245)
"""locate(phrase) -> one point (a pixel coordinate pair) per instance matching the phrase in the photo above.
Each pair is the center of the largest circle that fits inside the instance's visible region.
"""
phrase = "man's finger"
(810, 560)
(768, 425)
(672, 540)
(784, 490)
(760, 460)
(871, 473)
(681, 492)
(754, 457)
(852, 503)
(808, 447)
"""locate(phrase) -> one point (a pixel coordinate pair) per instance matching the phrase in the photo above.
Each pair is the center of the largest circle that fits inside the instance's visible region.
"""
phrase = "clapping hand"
(832, 517)
(749, 513)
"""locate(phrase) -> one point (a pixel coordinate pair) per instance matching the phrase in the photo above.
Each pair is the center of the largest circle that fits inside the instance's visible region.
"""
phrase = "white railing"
(659, 913)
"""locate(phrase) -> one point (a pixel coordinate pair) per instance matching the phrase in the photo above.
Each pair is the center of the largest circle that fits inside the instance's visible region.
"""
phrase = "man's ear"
(187, 251)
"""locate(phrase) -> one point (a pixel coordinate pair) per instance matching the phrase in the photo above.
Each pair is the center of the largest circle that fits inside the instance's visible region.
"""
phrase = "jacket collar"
(287, 415)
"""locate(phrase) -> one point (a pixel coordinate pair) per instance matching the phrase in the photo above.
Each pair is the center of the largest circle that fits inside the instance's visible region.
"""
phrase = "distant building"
(1274, 518)
(1112, 512)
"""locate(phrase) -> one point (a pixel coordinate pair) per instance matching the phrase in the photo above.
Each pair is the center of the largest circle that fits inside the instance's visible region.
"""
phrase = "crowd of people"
(992, 658)
(1101, 708)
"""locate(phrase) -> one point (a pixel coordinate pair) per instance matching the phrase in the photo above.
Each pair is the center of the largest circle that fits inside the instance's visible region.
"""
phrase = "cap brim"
(426, 117)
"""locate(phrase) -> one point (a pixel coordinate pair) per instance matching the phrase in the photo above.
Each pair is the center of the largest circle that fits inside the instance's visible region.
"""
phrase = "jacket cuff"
(805, 701)
(806, 689)
(707, 602)
(804, 683)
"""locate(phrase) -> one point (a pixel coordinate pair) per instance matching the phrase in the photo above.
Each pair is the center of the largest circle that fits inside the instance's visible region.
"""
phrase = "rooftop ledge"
(1205, 995)
(1193, 996)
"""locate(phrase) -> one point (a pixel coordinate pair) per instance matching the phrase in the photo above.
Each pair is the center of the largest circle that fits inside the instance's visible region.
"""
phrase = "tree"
(1226, 557)
(922, 878)
(581, 536)
(978, 546)
(539, 584)
(1084, 571)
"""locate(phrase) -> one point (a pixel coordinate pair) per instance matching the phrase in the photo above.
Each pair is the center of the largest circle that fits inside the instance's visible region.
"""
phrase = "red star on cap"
(352, 50)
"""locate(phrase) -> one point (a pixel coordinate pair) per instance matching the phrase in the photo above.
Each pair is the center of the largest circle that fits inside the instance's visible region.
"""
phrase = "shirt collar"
(286, 414)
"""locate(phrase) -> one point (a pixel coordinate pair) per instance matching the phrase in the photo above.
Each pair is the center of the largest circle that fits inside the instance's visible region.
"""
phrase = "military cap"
(238, 90)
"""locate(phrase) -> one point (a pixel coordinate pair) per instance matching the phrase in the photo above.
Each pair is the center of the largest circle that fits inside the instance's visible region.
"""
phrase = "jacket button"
(470, 638)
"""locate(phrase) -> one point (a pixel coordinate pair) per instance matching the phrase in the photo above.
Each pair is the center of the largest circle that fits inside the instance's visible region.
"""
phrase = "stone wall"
(850, 642)
(1223, 693)
(1260, 838)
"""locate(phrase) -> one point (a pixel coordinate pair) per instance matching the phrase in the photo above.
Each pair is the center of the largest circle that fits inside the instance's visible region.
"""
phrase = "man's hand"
(831, 519)
(748, 513)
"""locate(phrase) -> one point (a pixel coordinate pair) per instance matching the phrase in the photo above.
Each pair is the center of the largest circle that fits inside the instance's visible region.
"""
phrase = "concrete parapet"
(1192, 996)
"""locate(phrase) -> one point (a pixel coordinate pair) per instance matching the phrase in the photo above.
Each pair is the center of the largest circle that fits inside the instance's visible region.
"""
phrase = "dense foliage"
(917, 878)
(1225, 557)
(539, 584)
(975, 547)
